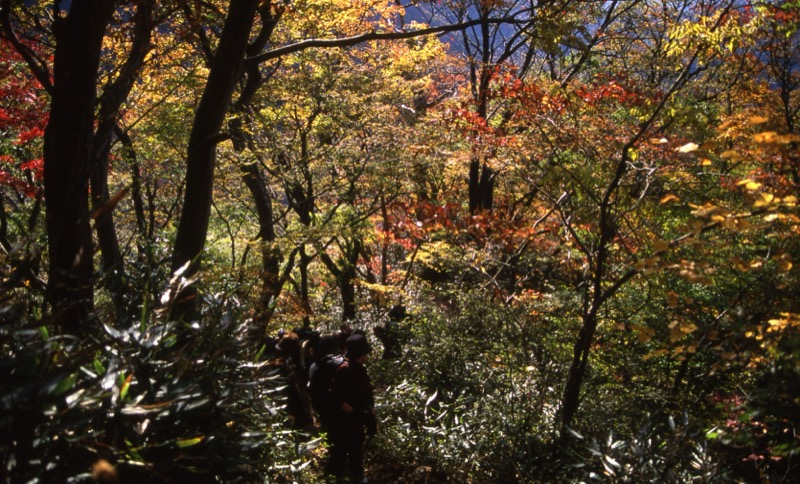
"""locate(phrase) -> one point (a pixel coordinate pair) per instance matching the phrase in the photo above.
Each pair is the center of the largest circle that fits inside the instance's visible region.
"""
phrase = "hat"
(357, 345)
(328, 345)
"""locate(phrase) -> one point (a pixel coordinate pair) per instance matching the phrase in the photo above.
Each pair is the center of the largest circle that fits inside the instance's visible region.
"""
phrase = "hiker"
(320, 376)
(298, 403)
(351, 392)
(391, 334)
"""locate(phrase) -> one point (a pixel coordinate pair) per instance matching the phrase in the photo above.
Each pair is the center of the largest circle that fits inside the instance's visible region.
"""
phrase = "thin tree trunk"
(111, 101)
(225, 72)
(254, 178)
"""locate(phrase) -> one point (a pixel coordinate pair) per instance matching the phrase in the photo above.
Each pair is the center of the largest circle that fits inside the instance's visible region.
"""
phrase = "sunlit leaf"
(725, 125)
(730, 155)
(764, 200)
(757, 120)
(190, 442)
(688, 148)
(64, 385)
(788, 138)
(432, 398)
(660, 246)
(765, 137)
(655, 353)
(123, 391)
(669, 198)
(672, 299)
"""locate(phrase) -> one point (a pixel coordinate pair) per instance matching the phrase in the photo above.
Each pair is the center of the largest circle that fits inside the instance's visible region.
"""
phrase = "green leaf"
(190, 442)
(99, 368)
(64, 385)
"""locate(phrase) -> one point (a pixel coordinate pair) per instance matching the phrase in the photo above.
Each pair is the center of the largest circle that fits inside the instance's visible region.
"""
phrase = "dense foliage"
(588, 211)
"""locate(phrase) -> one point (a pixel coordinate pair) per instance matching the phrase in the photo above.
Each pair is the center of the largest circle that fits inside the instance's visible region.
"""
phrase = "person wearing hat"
(351, 391)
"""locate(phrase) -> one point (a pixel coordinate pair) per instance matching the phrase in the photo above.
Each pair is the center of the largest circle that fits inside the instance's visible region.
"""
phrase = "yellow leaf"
(668, 198)
(764, 200)
(752, 186)
(706, 210)
(725, 125)
(788, 138)
(644, 334)
(660, 246)
(658, 141)
(688, 148)
(655, 353)
(789, 201)
(757, 120)
(190, 442)
(740, 264)
(696, 226)
(672, 299)
(766, 137)
(706, 162)
(743, 182)
(688, 328)
(730, 154)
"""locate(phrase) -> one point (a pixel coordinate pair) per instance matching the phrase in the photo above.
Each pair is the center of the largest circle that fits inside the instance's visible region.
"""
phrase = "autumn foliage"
(587, 211)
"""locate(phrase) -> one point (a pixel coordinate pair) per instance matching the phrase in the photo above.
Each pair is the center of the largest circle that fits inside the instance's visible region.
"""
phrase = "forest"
(567, 228)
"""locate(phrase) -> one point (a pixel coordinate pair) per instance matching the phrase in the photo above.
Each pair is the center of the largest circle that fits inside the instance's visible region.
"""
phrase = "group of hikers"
(327, 378)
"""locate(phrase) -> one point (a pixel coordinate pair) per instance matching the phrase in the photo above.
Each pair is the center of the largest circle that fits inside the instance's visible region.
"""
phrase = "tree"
(225, 72)
(74, 153)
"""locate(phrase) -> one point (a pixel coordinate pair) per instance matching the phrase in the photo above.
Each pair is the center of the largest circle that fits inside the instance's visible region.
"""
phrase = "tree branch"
(369, 36)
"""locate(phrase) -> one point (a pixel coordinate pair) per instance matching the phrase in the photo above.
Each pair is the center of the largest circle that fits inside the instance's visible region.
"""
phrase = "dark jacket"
(319, 384)
(352, 385)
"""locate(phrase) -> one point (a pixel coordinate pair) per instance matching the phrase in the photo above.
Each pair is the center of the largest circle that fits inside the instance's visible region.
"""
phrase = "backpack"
(319, 382)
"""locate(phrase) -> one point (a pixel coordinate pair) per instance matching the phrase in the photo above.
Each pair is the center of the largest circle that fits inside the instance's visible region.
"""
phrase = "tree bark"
(225, 72)
(69, 157)
(111, 101)
(254, 178)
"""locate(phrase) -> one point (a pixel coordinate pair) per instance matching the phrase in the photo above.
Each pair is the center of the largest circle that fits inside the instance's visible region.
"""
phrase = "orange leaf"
(668, 198)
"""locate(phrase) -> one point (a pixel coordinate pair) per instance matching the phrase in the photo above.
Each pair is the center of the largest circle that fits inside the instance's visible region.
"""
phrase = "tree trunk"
(577, 372)
(68, 159)
(254, 179)
(225, 72)
(113, 96)
(481, 186)
(270, 257)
